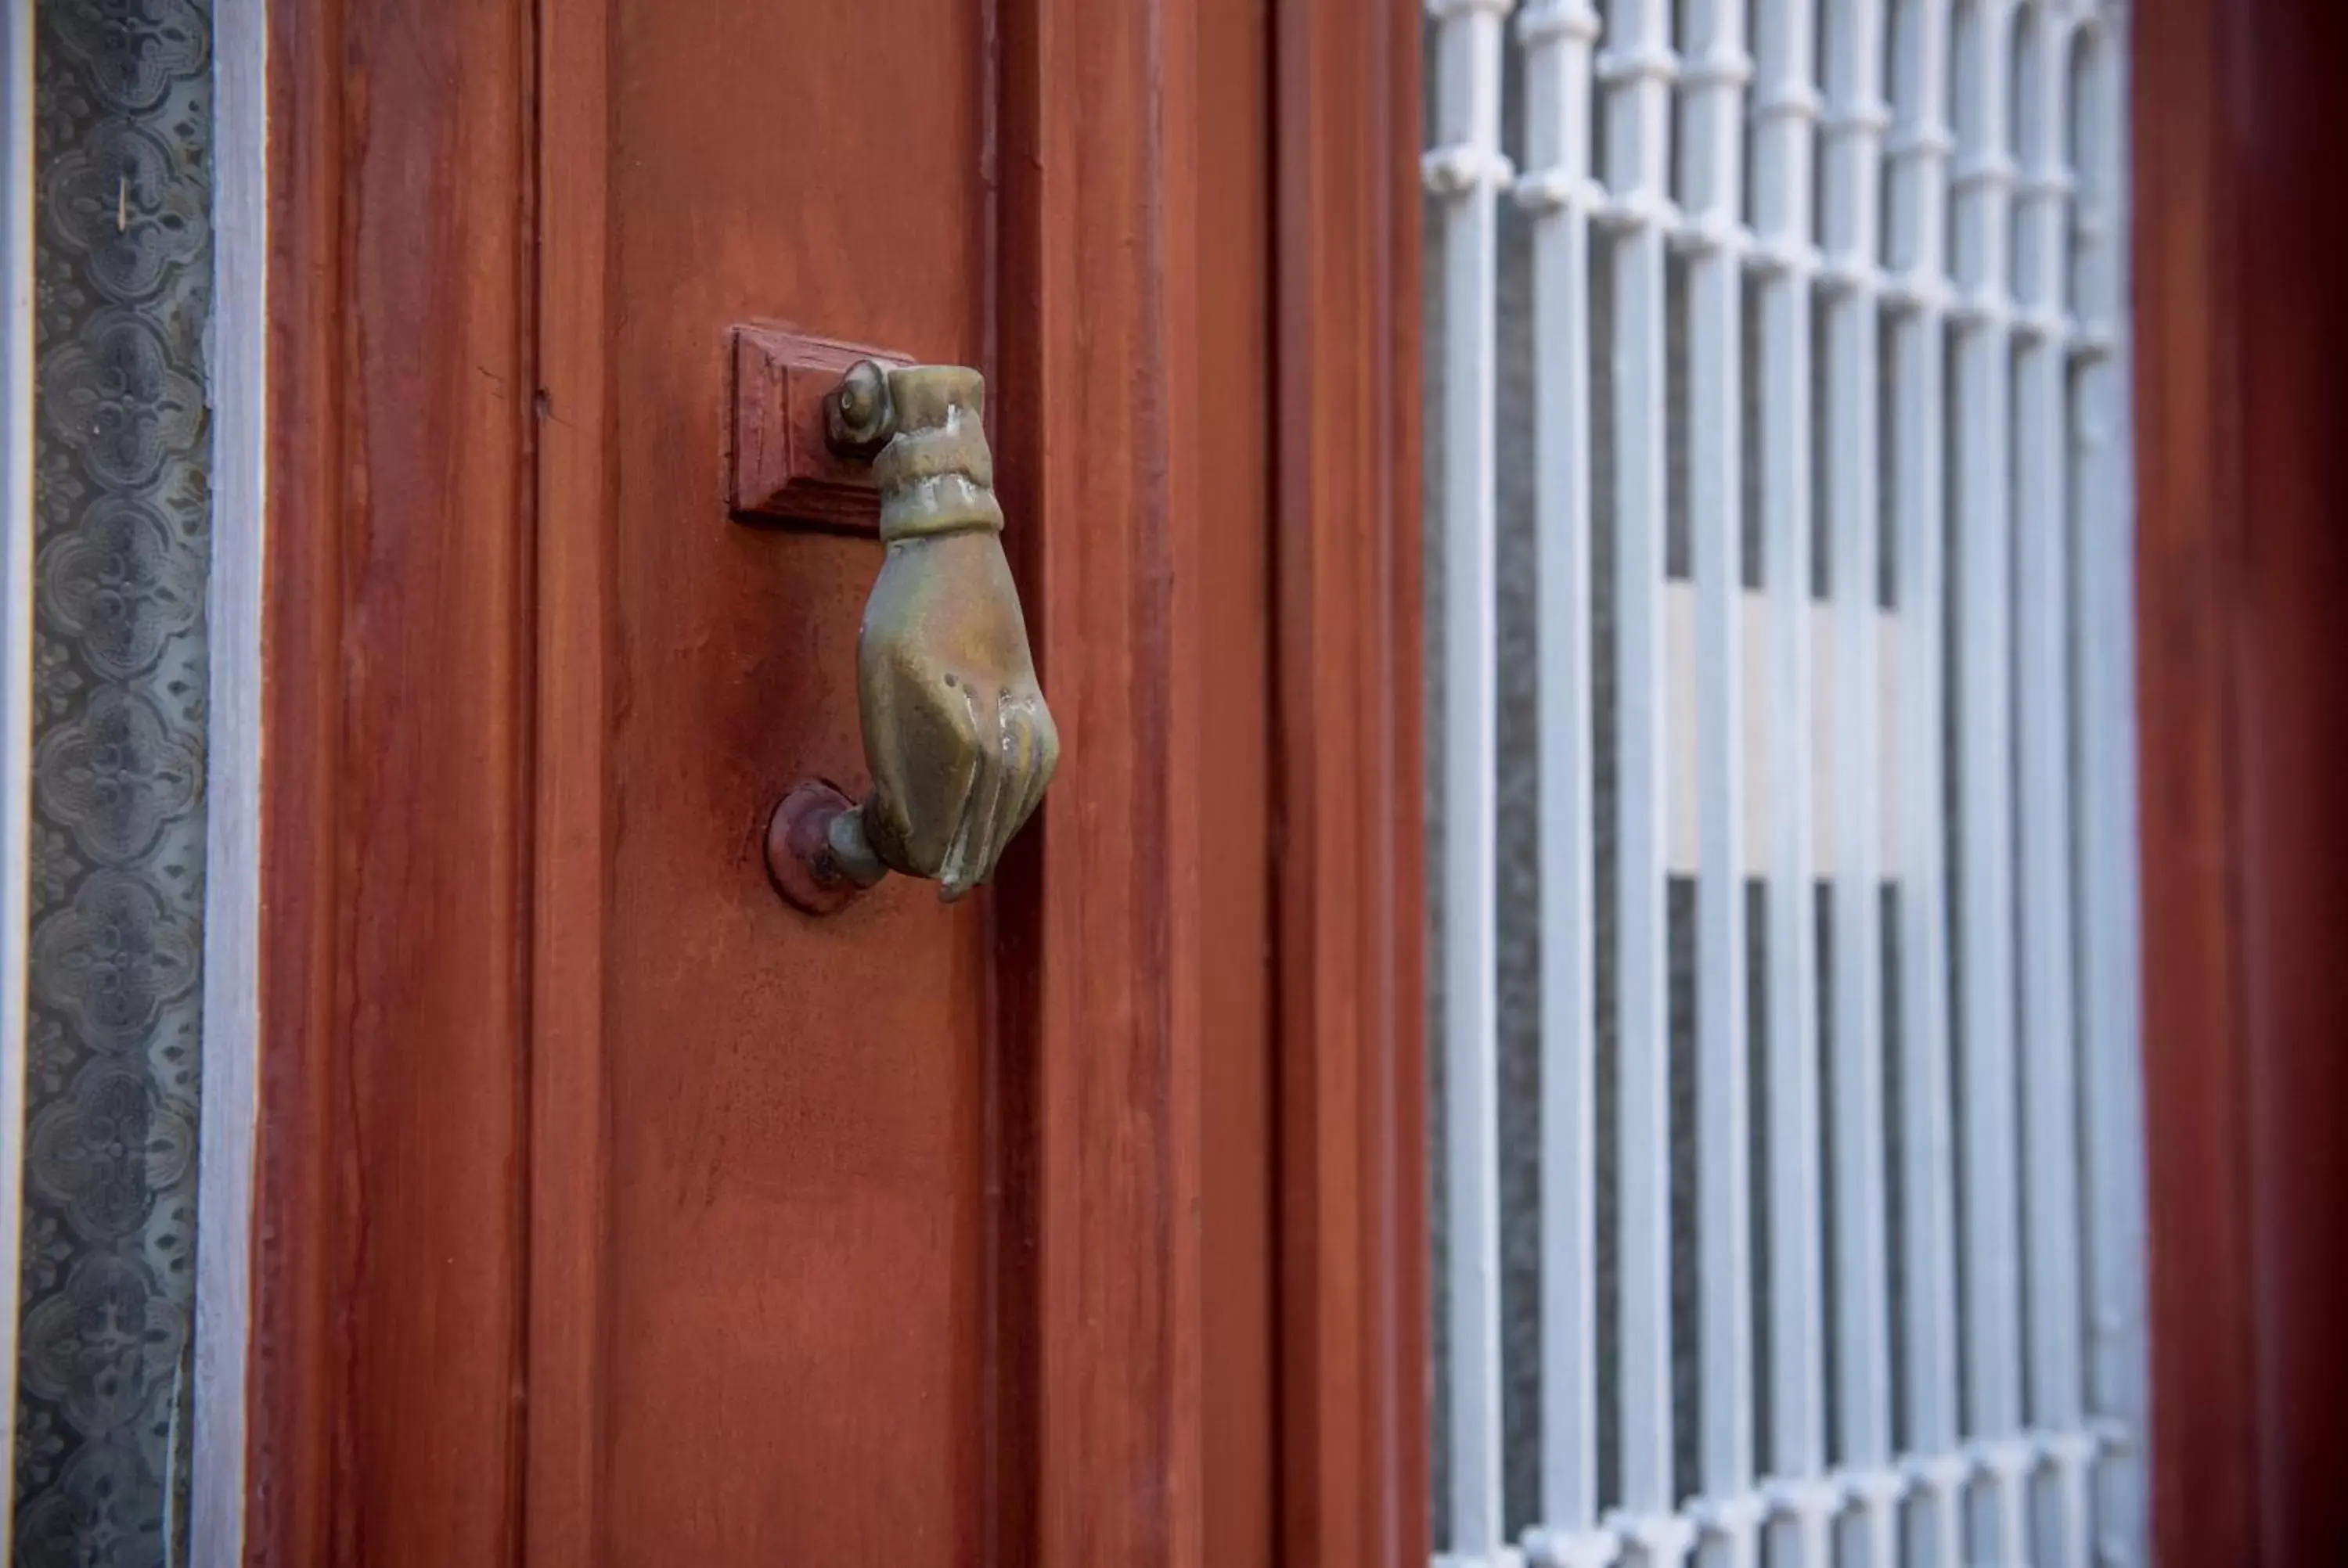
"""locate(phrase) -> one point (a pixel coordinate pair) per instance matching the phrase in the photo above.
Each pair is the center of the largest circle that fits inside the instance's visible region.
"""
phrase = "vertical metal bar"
(1785, 121)
(1855, 122)
(1637, 68)
(2053, 1232)
(1467, 169)
(1715, 70)
(1918, 258)
(1559, 39)
(2112, 1079)
(1984, 182)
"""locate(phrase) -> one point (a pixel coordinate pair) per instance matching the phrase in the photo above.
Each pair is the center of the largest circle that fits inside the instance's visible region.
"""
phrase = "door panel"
(794, 1369)
(612, 1213)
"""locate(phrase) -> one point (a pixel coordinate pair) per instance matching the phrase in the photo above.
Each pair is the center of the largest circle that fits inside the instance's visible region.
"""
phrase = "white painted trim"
(1715, 68)
(1466, 170)
(1558, 40)
(1848, 235)
(1636, 68)
(238, 380)
(17, 179)
(2113, 1080)
(1917, 239)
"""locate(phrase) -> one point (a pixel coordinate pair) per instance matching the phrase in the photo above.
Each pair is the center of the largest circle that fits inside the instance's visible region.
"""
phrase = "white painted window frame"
(232, 1006)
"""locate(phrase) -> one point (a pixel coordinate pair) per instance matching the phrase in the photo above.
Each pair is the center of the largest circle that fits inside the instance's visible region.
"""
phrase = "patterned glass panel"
(123, 293)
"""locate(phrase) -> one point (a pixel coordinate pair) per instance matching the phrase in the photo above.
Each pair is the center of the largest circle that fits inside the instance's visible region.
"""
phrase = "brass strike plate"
(780, 469)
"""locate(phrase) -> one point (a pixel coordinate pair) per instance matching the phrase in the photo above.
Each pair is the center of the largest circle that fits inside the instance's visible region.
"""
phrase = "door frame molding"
(1354, 1348)
(2243, 345)
(384, 1393)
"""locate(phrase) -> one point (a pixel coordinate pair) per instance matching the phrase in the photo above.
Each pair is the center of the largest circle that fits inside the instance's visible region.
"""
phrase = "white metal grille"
(1840, 1253)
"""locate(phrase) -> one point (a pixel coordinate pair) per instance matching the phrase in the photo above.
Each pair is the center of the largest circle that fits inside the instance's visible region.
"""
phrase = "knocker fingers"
(1046, 760)
(970, 854)
(1019, 766)
(1010, 749)
(1029, 761)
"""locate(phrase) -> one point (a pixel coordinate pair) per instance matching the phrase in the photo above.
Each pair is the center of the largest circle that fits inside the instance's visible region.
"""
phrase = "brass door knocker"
(956, 733)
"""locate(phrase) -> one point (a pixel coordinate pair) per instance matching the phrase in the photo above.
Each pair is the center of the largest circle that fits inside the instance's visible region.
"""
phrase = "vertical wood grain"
(1100, 448)
(564, 1475)
(2205, 1454)
(2240, 568)
(2292, 740)
(1713, 70)
(471, 714)
(1231, 244)
(792, 1352)
(1468, 173)
(388, 1253)
(1352, 1235)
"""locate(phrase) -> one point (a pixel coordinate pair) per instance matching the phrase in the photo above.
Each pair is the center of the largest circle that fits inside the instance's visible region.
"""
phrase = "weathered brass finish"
(956, 733)
(805, 867)
(860, 416)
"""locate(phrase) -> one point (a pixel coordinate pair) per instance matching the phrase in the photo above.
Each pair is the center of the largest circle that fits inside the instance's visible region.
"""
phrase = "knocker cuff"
(936, 474)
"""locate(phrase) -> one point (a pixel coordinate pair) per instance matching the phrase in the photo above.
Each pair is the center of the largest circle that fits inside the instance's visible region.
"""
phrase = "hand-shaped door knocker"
(956, 734)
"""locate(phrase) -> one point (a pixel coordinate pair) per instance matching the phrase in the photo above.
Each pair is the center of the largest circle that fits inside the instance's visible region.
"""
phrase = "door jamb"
(1354, 1352)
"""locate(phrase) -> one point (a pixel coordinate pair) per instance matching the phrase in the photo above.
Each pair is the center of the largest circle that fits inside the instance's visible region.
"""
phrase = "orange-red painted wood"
(2242, 337)
(612, 1213)
(791, 1220)
(1101, 1058)
(1352, 1347)
(564, 1497)
(389, 1263)
(1230, 245)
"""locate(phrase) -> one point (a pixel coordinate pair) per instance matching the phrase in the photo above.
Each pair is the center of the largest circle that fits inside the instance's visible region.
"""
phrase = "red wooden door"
(611, 1211)
(774, 1258)
(2242, 482)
